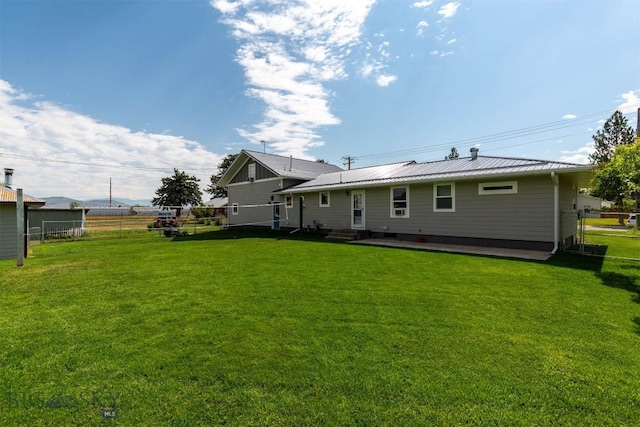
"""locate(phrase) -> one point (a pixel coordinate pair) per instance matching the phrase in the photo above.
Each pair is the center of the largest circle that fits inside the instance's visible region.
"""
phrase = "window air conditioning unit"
(398, 212)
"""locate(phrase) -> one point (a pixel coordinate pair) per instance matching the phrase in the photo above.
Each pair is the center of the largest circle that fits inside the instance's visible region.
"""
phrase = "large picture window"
(444, 197)
(399, 202)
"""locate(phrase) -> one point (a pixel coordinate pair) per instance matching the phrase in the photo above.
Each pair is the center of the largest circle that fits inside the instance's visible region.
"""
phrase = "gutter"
(556, 211)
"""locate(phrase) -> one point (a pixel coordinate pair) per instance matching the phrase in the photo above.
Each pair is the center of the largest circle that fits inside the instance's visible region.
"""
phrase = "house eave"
(582, 175)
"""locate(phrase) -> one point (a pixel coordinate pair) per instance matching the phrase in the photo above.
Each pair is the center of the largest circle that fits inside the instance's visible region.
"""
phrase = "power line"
(501, 136)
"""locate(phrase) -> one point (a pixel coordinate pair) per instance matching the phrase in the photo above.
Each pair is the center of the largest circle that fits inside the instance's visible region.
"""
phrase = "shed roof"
(9, 195)
(443, 170)
(286, 167)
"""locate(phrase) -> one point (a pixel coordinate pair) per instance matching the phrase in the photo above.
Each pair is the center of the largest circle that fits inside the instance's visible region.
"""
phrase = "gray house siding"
(36, 216)
(526, 216)
(247, 196)
(243, 174)
(254, 203)
(8, 235)
(336, 216)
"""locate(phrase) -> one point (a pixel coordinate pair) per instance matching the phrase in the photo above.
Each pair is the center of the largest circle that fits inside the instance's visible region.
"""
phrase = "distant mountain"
(60, 202)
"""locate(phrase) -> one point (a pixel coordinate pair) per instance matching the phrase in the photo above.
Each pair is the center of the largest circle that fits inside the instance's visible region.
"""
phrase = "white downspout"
(556, 211)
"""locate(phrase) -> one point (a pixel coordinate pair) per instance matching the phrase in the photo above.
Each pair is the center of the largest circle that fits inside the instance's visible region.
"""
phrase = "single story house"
(476, 200)
(45, 222)
(255, 182)
(9, 221)
(588, 203)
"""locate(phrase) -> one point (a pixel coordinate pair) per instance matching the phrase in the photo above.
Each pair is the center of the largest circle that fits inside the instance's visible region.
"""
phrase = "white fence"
(57, 230)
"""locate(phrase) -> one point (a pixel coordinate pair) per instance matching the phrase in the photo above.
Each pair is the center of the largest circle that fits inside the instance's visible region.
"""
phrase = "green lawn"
(216, 330)
(622, 242)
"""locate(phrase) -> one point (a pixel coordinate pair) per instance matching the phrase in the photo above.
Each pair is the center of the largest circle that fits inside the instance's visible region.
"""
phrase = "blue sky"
(129, 90)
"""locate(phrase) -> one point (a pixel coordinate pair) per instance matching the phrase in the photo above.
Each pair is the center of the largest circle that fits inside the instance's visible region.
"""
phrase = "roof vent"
(474, 153)
(8, 177)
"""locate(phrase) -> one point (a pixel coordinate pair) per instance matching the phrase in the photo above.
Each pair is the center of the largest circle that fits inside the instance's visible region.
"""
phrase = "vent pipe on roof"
(474, 153)
(290, 162)
(8, 177)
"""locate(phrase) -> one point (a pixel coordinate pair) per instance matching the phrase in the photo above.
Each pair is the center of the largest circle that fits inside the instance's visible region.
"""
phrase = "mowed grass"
(216, 330)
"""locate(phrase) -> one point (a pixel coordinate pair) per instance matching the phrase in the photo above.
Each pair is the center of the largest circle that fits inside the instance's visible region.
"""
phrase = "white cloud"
(580, 156)
(386, 80)
(449, 9)
(630, 103)
(425, 3)
(569, 116)
(421, 27)
(452, 41)
(35, 132)
(289, 50)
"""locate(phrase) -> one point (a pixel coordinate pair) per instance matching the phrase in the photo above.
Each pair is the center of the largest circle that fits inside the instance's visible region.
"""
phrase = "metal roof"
(286, 167)
(454, 169)
(9, 195)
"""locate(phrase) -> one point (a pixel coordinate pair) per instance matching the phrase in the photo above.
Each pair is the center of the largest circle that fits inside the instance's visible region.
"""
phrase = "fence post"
(20, 224)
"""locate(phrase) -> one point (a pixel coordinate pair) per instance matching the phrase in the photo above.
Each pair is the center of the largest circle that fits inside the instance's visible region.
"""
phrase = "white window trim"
(328, 204)
(453, 196)
(235, 208)
(286, 198)
(392, 212)
(484, 192)
(251, 171)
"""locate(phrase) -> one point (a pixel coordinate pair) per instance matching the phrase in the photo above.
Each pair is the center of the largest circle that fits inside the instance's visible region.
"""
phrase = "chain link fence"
(611, 236)
(123, 224)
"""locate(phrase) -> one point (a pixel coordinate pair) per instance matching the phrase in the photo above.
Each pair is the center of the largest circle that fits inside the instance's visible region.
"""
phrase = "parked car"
(632, 221)
(164, 221)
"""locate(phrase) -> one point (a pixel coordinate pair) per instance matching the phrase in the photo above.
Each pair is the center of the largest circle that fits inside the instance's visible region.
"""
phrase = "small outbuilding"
(9, 220)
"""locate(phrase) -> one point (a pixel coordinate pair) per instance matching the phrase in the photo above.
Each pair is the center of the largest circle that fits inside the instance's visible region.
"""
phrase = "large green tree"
(619, 178)
(615, 132)
(213, 188)
(177, 191)
(612, 159)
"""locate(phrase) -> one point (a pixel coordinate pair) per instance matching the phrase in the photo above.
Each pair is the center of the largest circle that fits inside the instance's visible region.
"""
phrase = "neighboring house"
(46, 222)
(9, 223)
(477, 200)
(588, 203)
(255, 182)
(219, 205)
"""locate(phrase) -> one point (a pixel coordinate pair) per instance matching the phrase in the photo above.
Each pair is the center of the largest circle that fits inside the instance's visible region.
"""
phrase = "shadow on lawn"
(239, 233)
(621, 281)
(576, 261)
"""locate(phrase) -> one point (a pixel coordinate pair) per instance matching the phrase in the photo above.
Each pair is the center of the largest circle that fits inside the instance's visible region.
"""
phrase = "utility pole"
(348, 160)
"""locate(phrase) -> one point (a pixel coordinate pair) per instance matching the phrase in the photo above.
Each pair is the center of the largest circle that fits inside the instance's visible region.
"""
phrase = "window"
(399, 202)
(324, 199)
(288, 201)
(234, 209)
(444, 198)
(506, 187)
(251, 171)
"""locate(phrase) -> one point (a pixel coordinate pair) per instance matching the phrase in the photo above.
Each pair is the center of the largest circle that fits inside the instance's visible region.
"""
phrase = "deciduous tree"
(213, 188)
(177, 191)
